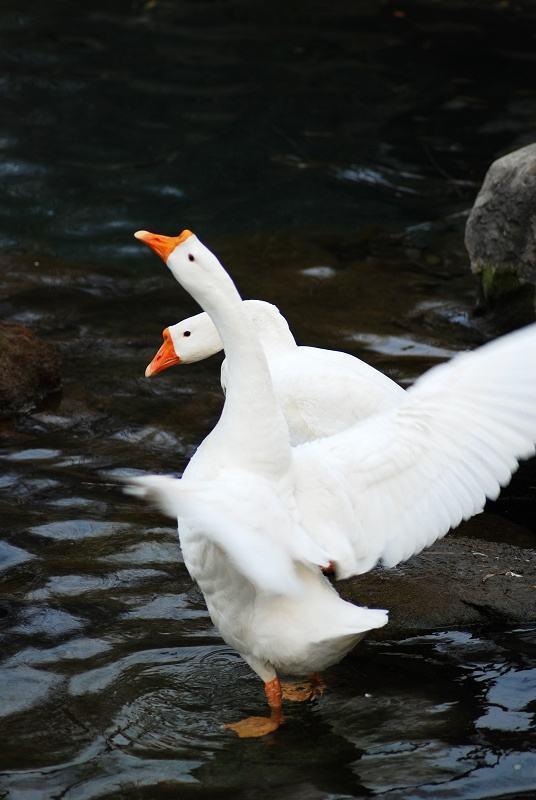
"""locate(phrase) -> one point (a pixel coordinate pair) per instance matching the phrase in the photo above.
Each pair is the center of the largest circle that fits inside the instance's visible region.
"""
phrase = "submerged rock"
(463, 580)
(500, 237)
(29, 369)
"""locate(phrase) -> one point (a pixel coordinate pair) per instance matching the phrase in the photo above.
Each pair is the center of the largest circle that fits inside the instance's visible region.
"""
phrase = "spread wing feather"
(265, 555)
(416, 471)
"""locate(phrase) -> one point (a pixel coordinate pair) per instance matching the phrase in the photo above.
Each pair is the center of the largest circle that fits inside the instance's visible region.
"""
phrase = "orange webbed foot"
(301, 691)
(253, 727)
(297, 692)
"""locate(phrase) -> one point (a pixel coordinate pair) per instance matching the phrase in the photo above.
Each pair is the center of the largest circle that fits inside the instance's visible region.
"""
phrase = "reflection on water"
(330, 160)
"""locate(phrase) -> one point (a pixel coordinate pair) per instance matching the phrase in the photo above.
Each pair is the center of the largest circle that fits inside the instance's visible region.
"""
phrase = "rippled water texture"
(329, 153)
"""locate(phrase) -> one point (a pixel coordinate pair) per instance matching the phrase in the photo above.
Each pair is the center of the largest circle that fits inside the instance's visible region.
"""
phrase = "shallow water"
(330, 161)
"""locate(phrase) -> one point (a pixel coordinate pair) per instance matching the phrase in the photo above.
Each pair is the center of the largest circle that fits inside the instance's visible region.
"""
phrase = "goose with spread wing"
(258, 518)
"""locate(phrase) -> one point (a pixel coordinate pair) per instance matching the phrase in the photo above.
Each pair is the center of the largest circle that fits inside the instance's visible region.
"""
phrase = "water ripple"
(77, 529)
(24, 687)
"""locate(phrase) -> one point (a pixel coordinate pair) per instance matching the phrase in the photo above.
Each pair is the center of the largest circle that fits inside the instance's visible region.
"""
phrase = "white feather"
(416, 471)
(320, 391)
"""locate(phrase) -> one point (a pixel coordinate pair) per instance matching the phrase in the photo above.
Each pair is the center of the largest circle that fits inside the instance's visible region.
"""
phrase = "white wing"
(245, 520)
(412, 473)
(323, 392)
(373, 387)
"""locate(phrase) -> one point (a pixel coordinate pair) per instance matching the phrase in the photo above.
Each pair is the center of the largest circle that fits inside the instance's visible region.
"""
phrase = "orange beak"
(166, 357)
(162, 245)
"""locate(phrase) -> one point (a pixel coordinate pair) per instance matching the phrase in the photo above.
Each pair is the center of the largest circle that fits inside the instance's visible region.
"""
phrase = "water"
(330, 160)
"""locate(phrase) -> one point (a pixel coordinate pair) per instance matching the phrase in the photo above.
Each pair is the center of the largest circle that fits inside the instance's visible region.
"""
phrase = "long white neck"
(252, 428)
(271, 326)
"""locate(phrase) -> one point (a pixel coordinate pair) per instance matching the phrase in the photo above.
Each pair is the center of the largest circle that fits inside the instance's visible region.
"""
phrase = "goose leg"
(252, 727)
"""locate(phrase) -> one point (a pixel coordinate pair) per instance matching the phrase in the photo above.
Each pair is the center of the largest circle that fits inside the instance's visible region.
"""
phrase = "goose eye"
(190, 257)
(187, 333)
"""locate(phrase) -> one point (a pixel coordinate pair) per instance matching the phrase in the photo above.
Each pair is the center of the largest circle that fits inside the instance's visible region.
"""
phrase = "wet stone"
(460, 581)
(500, 236)
(29, 369)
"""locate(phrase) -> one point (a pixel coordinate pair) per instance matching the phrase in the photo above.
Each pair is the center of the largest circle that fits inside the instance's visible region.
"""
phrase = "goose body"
(320, 392)
(258, 518)
(265, 593)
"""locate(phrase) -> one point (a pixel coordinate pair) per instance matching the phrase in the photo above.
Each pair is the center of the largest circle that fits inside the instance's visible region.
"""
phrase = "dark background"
(289, 136)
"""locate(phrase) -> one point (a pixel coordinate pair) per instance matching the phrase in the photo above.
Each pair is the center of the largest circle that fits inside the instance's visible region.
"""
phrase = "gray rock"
(500, 235)
(463, 580)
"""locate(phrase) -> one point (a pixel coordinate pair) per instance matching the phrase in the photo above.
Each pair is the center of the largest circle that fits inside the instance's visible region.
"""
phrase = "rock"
(29, 369)
(500, 237)
(461, 581)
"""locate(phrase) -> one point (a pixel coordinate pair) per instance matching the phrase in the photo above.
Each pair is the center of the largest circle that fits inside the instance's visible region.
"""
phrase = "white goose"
(320, 392)
(257, 516)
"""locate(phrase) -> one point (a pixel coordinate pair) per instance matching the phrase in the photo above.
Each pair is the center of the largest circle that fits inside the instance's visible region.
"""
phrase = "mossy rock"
(30, 369)
(500, 236)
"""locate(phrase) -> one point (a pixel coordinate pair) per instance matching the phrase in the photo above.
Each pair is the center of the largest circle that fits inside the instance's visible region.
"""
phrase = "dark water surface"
(328, 153)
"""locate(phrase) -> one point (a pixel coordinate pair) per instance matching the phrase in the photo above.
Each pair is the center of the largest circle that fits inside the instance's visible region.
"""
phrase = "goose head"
(252, 425)
(191, 340)
(196, 338)
(191, 263)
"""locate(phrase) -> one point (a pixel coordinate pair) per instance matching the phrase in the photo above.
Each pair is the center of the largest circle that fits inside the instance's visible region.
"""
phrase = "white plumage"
(320, 391)
(414, 472)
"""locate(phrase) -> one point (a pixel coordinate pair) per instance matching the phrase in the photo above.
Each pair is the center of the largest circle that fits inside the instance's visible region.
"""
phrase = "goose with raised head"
(320, 392)
(258, 518)
(240, 529)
